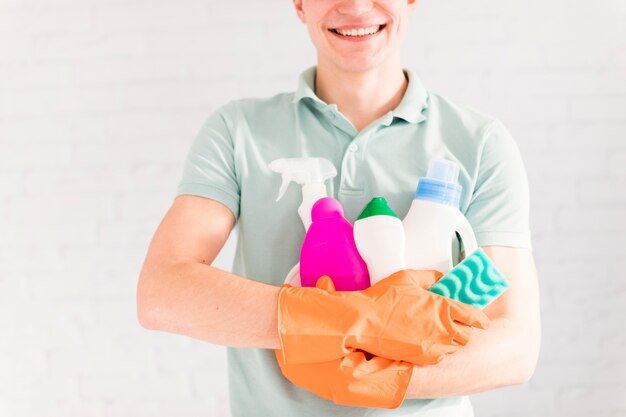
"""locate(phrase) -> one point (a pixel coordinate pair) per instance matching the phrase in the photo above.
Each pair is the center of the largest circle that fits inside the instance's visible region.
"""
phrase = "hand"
(357, 379)
(353, 380)
(396, 318)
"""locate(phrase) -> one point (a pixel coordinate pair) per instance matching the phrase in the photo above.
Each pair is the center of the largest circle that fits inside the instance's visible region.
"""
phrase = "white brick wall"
(100, 99)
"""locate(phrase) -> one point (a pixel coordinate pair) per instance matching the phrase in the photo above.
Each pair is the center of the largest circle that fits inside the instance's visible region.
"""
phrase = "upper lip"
(355, 26)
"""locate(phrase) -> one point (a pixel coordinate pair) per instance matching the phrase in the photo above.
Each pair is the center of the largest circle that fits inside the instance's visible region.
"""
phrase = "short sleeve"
(209, 169)
(499, 207)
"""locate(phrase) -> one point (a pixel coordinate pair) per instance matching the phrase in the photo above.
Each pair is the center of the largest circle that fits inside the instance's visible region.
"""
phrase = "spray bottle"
(311, 174)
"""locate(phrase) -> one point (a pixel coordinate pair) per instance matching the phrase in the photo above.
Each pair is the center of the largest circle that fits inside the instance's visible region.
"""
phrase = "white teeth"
(358, 32)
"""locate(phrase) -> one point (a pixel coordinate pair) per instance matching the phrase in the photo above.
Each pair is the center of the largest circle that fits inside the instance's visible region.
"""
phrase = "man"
(380, 127)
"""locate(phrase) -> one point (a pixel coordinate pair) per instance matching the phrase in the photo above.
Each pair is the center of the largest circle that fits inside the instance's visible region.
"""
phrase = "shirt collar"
(414, 102)
(411, 106)
(306, 87)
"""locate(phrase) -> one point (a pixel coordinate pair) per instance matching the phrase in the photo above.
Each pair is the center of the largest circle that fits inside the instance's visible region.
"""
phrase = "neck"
(361, 97)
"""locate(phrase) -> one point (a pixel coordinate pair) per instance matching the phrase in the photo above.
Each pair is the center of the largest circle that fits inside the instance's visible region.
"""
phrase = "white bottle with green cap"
(379, 238)
(434, 218)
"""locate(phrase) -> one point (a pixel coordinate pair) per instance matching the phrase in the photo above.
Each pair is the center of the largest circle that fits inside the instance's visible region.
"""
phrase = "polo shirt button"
(353, 147)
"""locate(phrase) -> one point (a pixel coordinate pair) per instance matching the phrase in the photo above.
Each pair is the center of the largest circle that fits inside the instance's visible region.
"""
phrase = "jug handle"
(466, 232)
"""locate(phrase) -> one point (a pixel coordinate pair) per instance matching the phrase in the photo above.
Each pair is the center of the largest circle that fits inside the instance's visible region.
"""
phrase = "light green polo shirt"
(228, 162)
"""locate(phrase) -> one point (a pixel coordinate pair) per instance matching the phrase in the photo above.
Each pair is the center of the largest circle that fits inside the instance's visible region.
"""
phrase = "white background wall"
(99, 102)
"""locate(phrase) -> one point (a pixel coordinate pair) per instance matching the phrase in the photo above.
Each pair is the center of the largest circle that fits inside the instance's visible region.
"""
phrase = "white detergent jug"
(433, 219)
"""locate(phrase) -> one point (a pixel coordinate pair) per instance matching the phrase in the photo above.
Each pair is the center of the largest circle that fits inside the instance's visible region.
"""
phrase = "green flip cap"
(376, 207)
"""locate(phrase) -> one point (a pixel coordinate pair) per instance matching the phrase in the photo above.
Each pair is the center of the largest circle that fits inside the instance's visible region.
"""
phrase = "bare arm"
(180, 292)
(506, 353)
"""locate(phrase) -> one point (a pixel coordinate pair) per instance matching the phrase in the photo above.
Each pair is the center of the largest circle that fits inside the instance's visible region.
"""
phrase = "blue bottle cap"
(440, 184)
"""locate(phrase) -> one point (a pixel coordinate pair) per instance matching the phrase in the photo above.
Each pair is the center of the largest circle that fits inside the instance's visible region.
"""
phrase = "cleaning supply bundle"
(377, 289)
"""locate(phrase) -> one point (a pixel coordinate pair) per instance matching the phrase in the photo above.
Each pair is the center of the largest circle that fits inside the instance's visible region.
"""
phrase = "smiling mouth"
(360, 32)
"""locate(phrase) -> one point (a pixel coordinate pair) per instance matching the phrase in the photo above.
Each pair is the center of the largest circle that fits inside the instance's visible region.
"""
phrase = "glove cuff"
(305, 332)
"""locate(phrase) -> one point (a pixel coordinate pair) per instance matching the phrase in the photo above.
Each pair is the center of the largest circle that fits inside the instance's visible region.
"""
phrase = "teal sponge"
(474, 281)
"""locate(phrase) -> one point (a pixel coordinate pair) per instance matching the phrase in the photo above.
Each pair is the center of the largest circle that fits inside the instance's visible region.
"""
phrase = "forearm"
(203, 302)
(502, 355)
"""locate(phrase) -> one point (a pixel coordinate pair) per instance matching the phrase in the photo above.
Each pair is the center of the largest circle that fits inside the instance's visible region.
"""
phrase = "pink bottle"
(329, 249)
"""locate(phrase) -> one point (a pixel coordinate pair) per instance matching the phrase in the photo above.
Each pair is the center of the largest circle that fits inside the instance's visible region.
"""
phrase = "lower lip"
(357, 38)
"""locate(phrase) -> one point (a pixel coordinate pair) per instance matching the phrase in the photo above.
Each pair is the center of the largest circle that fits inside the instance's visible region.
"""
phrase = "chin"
(359, 66)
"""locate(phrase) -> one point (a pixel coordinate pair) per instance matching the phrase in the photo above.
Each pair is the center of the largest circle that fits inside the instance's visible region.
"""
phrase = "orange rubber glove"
(353, 380)
(396, 318)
